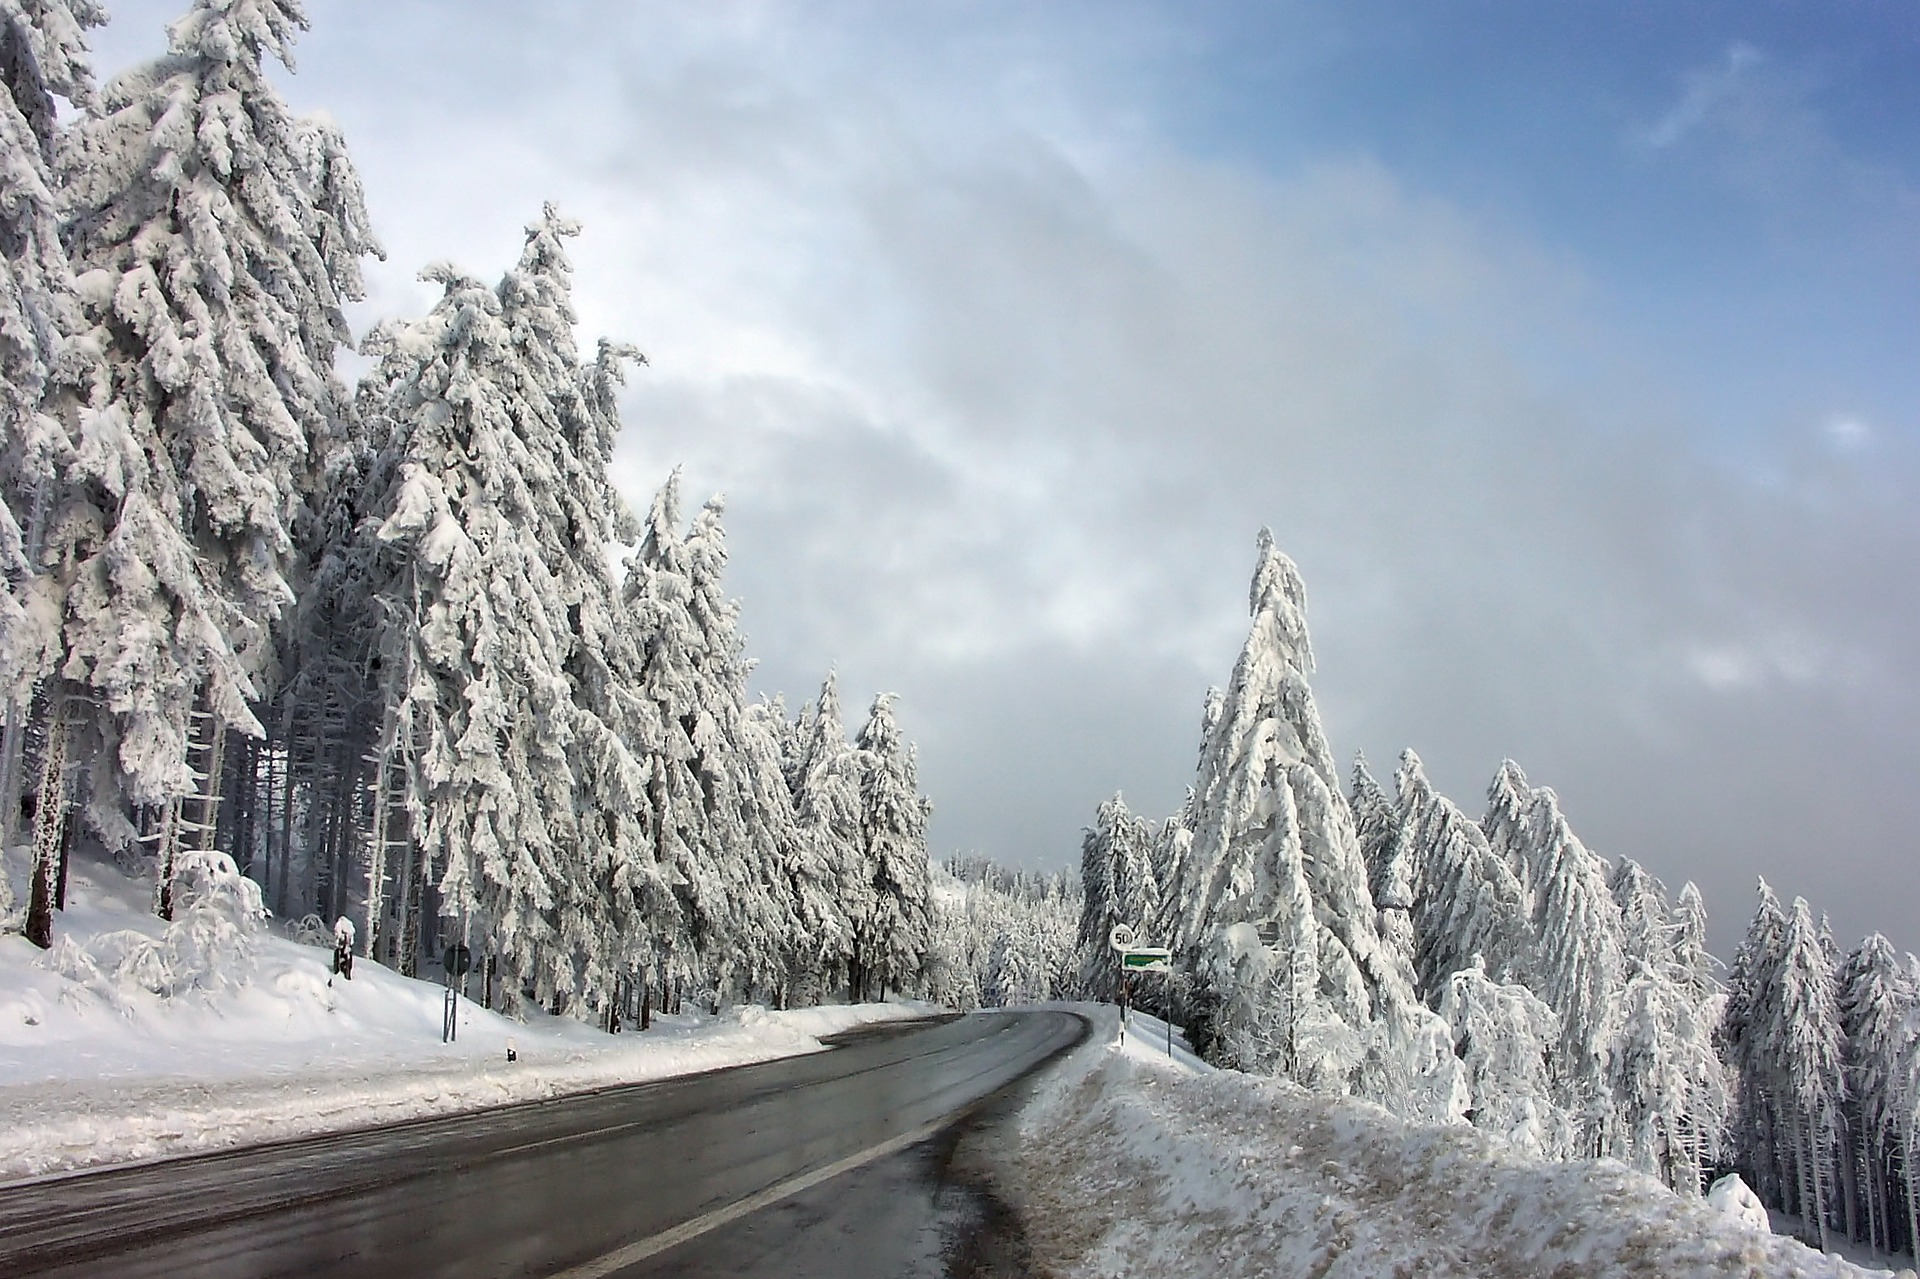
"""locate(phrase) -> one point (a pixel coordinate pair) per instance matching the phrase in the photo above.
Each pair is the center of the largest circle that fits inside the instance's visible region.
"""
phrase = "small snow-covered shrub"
(308, 931)
(209, 944)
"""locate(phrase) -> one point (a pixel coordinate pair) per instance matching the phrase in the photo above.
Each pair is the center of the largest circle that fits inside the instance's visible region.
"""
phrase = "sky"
(1570, 351)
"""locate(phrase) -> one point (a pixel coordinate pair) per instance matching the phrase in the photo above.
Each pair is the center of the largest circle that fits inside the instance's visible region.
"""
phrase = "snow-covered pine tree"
(1116, 877)
(568, 414)
(1749, 1029)
(1906, 1100)
(816, 932)
(752, 831)
(1097, 915)
(1271, 911)
(892, 940)
(1466, 900)
(1508, 827)
(217, 238)
(470, 640)
(42, 56)
(658, 598)
(1809, 1067)
(1875, 1005)
(823, 775)
(1502, 1035)
(1383, 846)
(1577, 965)
(1669, 1089)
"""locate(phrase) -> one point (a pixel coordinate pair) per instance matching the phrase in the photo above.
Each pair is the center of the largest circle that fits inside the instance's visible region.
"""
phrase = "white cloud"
(1001, 383)
(1848, 434)
(1709, 91)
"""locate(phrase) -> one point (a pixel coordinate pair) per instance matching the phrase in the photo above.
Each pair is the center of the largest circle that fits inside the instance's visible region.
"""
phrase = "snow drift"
(1130, 1164)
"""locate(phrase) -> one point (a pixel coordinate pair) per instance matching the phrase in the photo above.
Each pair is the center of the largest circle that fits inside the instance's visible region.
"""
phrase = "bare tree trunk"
(1816, 1165)
(1913, 1189)
(50, 823)
(285, 886)
(410, 926)
(377, 848)
(1845, 1149)
(168, 835)
(66, 855)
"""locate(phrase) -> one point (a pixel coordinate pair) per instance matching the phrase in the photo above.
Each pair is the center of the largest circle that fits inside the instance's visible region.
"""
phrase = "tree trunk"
(410, 924)
(285, 877)
(1913, 1190)
(1845, 1148)
(169, 840)
(50, 824)
(66, 856)
(646, 1003)
(1816, 1165)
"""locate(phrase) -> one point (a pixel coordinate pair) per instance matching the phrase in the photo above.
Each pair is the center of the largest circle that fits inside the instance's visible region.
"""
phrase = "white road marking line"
(620, 1258)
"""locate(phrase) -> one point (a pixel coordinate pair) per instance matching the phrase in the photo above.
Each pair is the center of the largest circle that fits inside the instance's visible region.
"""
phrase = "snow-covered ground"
(1129, 1162)
(95, 1074)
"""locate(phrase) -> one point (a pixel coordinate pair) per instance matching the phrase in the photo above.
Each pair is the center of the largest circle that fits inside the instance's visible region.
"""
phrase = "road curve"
(581, 1186)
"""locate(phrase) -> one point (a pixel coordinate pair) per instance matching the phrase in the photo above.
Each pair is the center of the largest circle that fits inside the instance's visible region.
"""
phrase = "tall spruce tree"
(824, 778)
(1875, 1004)
(42, 57)
(1467, 902)
(1749, 1036)
(1669, 1090)
(217, 238)
(1272, 913)
(471, 642)
(892, 940)
(1809, 1066)
(1577, 966)
(1383, 847)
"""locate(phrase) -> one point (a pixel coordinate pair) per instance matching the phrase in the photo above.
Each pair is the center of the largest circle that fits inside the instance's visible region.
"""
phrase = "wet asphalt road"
(589, 1187)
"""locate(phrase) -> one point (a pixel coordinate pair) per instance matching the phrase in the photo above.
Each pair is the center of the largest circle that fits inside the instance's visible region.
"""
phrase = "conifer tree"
(1508, 826)
(1809, 1066)
(1383, 846)
(217, 238)
(892, 939)
(1669, 1088)
(1467, 901)
(1271, 908)
(1577, 965)
(1875, 1004)
(751, 833)
(471, 642)
(1749, 1036)
(823, 775)
(1503, 1035)
(42, 57)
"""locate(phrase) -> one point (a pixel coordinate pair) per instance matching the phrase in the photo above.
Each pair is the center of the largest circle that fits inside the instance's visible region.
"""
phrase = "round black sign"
(457, 960)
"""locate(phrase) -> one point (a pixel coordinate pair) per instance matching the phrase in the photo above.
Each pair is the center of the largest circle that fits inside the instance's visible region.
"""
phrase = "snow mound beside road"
(1130, 1164)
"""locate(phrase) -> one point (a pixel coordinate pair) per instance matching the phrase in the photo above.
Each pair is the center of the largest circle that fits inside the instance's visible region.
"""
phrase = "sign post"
(1135, 958)
(458, 961)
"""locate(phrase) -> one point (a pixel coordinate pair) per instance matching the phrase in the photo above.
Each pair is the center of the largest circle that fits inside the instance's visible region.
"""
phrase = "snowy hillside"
(103, 1072)
(1129, 1163)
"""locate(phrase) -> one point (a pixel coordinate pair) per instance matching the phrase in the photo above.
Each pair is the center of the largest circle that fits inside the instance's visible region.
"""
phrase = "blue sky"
(1569, 349)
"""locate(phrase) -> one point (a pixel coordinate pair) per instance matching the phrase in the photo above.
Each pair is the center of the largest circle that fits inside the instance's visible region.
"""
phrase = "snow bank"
(94, 1073)
(1732, 1196)
(1129, 1163)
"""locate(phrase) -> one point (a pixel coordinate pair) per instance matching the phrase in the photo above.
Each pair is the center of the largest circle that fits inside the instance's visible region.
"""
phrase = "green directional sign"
(1147, 959)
